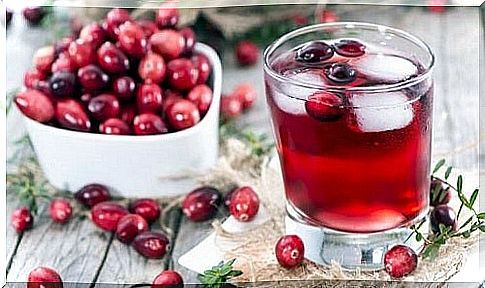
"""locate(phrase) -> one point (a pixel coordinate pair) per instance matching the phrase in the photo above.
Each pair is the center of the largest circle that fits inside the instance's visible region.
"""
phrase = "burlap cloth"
(255, 249)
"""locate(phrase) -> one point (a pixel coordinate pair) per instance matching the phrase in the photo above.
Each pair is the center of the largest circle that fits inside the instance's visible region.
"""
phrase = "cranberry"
(246, 94)
(8, 16)
(231, 106)
(152, 68)
(60, 210)
(22, 219)
(43, 277)
(149, 98)
(92, 194)
(203, 66)
(244, 204)
(92, 77)
(340, 73)
(149, 209)
(400, 261)
(70, 114)
(103, 107)
(106, 215)
(228, 198)
(132, 39)
(114, 126)
(438, 193)
(149, 27)
(43, 59)
(436, 6)
(128, 113)
(35, 105)
(299, 20)
(63, 84)
(314, 52)
(327, 16)
(442, 214)
(201, 95)
(64, 64)
(34, 15)
(94, 34)
(167, 15)
(324, 106)
(182, 114)
(151, 244)
(201, 204)
(124, 87)
(114, 19)
(112, 60)
(168, 43)
(167, 277)
(149, 124)
(190, 40)
(86, 97)
(247, 53)
(290, 251)
(170, 97)
(350, 48)
(182, 75)
(62, 46)
(32, 78)
(129, 226)
(82, 52)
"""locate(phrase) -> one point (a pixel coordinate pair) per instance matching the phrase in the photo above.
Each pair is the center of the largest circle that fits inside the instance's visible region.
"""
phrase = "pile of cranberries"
(121, 76)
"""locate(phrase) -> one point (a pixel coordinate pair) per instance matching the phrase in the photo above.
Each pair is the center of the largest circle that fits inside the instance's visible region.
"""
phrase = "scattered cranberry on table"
(106, 215)
(436, 6)
(327, 16)
(231, 106)
(228, 198)
(92, 194)
(290, 251)
(151, 244)
(44, 277)
(442, 214)
(400, 261)
(60, 210)
(244, 204)
(246, 94)
(168, 277)
(129, 226)
(247, 53)
(34, 15)
(147, 208)
(22, 219)
(201, 204)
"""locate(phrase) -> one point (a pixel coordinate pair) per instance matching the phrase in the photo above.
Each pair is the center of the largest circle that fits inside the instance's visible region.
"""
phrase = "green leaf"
(459, 183)
(482, 227)
(473, 197)
(466, 234)
(448, 172)
(419, 237)
(439, 165)
(431, 251)
(481, 215)
(466, 222)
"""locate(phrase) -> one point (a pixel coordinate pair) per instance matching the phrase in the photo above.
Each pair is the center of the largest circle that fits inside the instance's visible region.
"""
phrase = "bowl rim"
(217, 83)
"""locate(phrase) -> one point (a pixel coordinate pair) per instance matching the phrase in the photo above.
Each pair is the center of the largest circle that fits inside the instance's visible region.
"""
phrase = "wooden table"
(83, 253)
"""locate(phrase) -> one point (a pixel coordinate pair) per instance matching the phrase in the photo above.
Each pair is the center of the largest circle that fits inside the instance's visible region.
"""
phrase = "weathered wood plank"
(13, 239)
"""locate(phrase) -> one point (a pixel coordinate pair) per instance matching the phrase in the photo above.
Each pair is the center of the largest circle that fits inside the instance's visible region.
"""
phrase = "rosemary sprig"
(28, 189)
(219, 275)
(260, 145)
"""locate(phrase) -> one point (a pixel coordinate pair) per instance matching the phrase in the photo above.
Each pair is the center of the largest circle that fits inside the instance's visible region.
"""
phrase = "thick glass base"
(350, 250)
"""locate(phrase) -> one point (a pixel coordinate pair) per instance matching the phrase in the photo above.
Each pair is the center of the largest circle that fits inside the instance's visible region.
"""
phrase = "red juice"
(354, 157)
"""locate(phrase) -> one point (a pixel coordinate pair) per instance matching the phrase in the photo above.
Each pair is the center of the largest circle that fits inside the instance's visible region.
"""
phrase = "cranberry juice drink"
(352, 121)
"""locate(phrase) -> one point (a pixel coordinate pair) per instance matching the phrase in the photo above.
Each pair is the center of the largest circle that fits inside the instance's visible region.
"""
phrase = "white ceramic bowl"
(134, 166)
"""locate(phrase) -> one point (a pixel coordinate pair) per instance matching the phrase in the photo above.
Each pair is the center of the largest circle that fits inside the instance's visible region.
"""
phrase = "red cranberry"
(124, 87)
(60, 210)
(442, 214)
(62, 45)
(32, 78)
(86, 97)
(244, 204)
(64, 64)
(128, 113)
(350, 48)
(114, 126)
(183, 114)
(203, 66)
(22, 219)
(167, 15)
(152, 68)
(35, 105)
(34, 15)
(436, 6)
(149, 209)
(92, 194)
(182, 75)
(290, 251)
(70, 114)
(94, 34)
(190, 40)
(247, 53)
(327, 16)
(324, 106)
(167, 277)
(106, 215)
(151, 244)
(92, 77)
(168, 43)
(114, 19)
(43, 86)
(201, 204)
(82, 52)
(132, 39)
(149, 27)
(149, 124)
(231, 106)
(112, 60)
(103, 107)
(63, 84)
(149, 98)
(400, 261)
(438, 193)
(314, 52)
(129, 226)
(201, 95)
(170, 97)
(43, 59)
(43, 277)
(299, 20)
(340, 73)
(246, 94)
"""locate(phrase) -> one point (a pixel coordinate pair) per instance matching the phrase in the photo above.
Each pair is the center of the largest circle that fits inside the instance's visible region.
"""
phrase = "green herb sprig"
(260, 145)
(219, 275)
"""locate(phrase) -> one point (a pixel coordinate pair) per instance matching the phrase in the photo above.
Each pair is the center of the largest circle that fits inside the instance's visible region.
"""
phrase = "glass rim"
(333, 88)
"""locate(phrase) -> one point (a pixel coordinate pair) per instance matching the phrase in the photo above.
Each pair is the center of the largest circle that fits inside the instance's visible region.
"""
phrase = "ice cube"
(289, 104)
(385, 68)
(380, 112)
